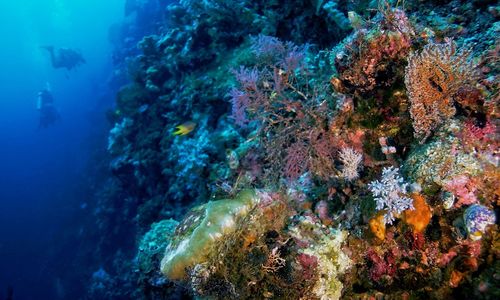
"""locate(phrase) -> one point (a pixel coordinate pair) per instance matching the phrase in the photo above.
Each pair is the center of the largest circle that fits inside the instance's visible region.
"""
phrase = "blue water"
(42, 171)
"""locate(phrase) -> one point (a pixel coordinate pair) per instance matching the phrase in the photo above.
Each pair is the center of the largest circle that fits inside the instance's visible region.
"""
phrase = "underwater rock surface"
(355, 144)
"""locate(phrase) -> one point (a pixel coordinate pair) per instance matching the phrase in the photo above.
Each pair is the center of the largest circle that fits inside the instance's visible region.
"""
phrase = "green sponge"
(200, 229)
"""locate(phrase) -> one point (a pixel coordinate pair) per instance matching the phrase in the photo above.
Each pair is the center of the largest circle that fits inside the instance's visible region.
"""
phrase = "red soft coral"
(383, 266)
(296, 160)
(309, 264)
(481, 138)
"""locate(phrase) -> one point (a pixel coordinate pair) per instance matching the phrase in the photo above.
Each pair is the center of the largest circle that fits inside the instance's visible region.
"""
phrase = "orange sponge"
(419, 217)
(377, 225)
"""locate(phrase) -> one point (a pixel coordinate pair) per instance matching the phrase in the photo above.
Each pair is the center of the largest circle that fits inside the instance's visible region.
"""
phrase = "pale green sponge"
(203, 226)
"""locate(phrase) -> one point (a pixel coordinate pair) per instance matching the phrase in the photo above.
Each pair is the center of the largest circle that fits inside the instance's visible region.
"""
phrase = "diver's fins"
(10, 293)
(48, 48)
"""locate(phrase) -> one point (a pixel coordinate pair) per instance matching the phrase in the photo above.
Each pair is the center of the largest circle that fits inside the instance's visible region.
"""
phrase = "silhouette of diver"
(10, 293)
(64, 57)
(45, 105)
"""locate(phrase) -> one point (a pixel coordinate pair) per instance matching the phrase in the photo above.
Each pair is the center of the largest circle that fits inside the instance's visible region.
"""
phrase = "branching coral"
(351, 160)
(296, 160)
(433, 77)
(390, 193)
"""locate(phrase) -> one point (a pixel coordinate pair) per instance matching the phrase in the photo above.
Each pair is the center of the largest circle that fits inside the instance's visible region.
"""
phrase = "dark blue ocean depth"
(43, 170)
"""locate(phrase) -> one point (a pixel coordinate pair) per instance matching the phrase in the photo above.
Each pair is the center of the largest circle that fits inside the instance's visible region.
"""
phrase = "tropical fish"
(184, 128)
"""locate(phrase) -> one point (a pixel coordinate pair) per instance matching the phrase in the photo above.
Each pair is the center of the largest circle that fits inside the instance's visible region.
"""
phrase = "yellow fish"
(184, 128)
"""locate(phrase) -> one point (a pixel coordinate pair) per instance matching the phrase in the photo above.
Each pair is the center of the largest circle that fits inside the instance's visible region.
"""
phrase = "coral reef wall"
(366, 132)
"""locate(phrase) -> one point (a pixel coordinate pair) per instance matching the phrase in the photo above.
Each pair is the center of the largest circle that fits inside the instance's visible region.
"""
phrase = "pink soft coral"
(481, 138)
(463, 188)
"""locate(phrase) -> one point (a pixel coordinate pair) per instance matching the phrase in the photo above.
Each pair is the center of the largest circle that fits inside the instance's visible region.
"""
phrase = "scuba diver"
(10, 293)
(64, 57)
(45, 105)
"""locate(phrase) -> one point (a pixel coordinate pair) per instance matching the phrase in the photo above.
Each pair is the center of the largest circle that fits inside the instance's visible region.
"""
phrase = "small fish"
(184, 128)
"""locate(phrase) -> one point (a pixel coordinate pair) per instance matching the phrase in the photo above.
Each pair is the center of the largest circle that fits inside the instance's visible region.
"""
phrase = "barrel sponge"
(202, 227)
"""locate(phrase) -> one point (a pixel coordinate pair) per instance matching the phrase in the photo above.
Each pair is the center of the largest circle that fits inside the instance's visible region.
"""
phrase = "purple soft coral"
(240, 102)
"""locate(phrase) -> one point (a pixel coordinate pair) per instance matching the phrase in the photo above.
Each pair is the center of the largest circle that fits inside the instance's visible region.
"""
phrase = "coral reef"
(154, 243)
(354, 144)
(150, 252)
(258, 252)
(370, 57)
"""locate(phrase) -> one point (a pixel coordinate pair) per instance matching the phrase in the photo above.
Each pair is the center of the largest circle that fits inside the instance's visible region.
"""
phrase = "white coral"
(351, 159)
(389, 194)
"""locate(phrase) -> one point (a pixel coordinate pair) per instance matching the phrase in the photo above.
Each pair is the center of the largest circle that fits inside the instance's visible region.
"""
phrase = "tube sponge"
(200, 230)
